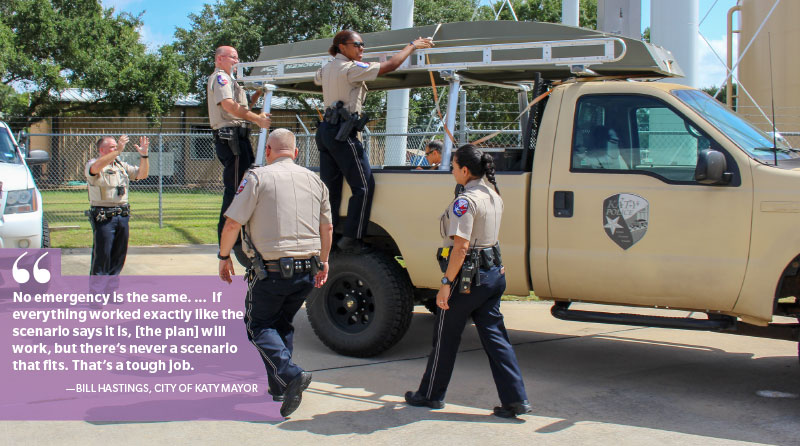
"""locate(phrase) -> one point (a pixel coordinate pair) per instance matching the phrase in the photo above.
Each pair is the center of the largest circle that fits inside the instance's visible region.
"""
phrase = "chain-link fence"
(185, 180)
(185, 177)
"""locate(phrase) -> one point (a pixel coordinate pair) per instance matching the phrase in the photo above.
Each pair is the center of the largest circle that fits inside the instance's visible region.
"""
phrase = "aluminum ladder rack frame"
(489, 57)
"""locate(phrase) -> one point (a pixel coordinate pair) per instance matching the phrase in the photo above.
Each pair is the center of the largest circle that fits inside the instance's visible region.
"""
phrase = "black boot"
(417, 400)
(513, 409)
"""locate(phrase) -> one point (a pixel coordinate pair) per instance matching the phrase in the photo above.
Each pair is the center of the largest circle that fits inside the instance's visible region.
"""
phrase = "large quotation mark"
(23, 276)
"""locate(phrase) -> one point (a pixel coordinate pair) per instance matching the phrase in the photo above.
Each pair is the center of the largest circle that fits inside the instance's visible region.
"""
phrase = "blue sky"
(161, 17)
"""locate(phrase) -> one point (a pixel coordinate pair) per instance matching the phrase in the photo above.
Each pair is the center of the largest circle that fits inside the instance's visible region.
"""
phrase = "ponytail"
(489, 170)
(478, 163)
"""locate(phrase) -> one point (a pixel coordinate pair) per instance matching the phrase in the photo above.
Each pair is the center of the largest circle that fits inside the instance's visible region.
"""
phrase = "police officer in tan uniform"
(108, 178)
(228, 114)
(473, 282)
(286, 214)
(341, 154)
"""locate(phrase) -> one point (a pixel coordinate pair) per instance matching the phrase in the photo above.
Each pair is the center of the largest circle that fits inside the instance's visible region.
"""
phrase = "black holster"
(231, 137)
(256, 262)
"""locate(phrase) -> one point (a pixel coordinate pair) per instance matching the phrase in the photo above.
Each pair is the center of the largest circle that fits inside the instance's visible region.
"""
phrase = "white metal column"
(262, 135)
(570, 12)
(452, 107)
(676, 29)
(397, 100)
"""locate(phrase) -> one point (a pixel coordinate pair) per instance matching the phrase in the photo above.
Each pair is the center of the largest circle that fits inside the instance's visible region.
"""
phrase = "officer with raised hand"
(474, 280)
(108, 179)
(286, 214)
(228, 114)
(341, 154)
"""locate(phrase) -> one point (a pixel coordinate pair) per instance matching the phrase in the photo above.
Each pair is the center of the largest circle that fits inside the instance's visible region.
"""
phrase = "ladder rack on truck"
(498, 53)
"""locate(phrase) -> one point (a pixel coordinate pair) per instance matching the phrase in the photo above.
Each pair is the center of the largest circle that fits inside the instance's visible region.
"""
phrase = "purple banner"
(124, 348)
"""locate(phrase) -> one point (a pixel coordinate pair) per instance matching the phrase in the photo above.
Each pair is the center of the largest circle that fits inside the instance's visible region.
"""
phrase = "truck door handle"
(562, 204)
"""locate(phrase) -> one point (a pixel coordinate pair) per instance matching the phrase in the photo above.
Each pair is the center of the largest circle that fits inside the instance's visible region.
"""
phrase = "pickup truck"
(626, 192)
(697, 216)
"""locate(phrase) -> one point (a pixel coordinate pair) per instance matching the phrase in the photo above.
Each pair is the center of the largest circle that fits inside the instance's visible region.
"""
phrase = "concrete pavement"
(589, 383)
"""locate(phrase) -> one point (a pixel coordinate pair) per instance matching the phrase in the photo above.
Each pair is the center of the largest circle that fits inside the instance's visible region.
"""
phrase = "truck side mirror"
(37, 157)
(711, 166)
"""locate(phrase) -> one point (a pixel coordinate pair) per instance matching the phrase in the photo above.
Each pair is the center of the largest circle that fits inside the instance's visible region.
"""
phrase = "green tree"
(47, 46)
(722, 96)
(248, 25)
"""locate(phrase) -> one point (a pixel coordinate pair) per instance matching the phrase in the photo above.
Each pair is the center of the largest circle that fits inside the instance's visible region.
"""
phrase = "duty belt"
(102, 213)
(241, 130)
(486, 258)
(290, 266)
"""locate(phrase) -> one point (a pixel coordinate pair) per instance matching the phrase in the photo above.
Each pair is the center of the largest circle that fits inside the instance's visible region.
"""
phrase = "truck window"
(635, 134)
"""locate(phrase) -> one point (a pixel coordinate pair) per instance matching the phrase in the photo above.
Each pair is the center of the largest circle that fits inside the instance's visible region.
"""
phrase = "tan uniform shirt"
(473, 215)
(344, 80)
(221, 86)
(282, 205)
(103, 186)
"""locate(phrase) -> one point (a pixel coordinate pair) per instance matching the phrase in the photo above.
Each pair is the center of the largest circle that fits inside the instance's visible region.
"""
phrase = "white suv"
(22, 223)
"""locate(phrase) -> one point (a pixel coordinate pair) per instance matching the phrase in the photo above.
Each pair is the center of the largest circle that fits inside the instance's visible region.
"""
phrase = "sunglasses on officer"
(356, 44)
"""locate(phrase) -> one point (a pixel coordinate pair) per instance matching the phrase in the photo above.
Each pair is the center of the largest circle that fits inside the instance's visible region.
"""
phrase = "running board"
(560, 310)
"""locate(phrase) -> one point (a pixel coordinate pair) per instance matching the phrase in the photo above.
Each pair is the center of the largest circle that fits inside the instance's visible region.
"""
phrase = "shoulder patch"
(222, 80)
(460, 207)
(361, 64)
(241, 186)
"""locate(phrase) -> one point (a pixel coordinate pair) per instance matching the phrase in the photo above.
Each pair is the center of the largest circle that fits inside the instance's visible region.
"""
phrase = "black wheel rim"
(350, 303)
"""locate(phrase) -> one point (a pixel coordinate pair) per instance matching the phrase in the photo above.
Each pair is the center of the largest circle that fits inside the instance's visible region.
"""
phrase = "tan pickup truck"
(689, 212)
(625, 192)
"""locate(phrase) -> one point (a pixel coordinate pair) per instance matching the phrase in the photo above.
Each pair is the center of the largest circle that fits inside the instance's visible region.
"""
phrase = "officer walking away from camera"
(286, 214)
(108, 179)
(228, 113)
(341, 153)
(474, 280)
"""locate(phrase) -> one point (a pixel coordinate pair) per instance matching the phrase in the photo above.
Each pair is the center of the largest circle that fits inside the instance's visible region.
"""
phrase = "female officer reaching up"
(341, 155)
(472, 286)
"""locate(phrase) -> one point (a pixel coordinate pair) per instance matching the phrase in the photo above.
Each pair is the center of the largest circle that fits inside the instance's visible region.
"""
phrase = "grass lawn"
(189, 218)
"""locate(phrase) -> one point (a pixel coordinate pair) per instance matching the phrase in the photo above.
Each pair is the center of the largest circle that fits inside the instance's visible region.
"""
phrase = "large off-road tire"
(45, 233)
(365, 307)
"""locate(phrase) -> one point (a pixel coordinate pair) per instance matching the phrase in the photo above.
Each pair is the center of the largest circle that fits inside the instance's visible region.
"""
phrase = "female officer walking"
(471, 287)
(340, 152)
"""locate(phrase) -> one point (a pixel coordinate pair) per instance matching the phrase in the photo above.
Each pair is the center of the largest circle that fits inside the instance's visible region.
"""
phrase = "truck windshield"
(756, 143)
(8, 150)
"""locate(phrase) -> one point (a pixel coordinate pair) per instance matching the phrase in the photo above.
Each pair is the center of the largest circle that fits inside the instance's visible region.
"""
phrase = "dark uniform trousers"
(270, 307)
(346, 160)
(483, 305)
(110, 245)
(231, 176)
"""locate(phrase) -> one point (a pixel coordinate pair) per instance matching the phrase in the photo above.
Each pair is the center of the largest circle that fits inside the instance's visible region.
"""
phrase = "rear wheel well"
(788, 287)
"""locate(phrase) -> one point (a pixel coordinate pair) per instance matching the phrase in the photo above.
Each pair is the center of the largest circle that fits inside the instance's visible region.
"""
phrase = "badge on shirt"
(362, 64)
(460, 207)
(241, 186)
(222, 80)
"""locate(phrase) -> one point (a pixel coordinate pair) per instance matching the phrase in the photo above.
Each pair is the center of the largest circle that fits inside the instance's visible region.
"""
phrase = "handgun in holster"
(256, 262)
(350, 122)
(231, 136)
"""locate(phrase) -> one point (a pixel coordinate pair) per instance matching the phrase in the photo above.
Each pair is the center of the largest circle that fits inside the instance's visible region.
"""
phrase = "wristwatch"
(222, 257)
(446, 281)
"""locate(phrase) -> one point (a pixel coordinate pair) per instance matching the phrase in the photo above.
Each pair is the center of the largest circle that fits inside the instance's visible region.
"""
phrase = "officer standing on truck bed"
(108, 180)
(288, 232)
(228, 114)
(474, 280)
(340, 151)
